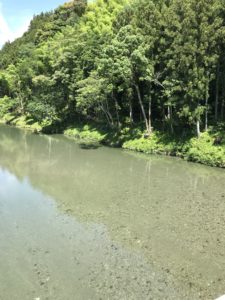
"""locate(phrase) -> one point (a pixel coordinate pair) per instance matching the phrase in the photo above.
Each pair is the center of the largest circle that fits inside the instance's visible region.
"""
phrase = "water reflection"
(169, 211)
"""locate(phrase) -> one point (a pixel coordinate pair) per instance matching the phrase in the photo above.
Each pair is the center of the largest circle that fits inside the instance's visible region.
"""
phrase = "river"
(81, 222)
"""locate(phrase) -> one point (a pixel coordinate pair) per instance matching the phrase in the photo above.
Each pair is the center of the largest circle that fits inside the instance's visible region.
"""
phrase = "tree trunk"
(171, 122)
(217, 92)
(168, 112)
(20, 97)
(169, 116)
(223, 102)
(163, 116)
(21, 104)
(110, 118)
(222, 109)
(150, 111)
(131, 112)
(150, 115)
(106, 115)
(198, 128)
(117, 111)
(142, 106)
(206, 109)
(109, 114)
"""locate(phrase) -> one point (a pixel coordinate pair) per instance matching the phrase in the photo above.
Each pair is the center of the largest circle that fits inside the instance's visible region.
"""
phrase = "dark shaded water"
(101, 223)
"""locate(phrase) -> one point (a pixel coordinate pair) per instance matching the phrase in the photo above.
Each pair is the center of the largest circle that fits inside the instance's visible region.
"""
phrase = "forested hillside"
(136, 67)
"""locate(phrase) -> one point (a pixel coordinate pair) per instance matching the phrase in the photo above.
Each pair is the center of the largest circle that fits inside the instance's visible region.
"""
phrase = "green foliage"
(40, 111)
(157, 143)
(204, 151)
(86, 133)
(7, 105)
(201, 150)
(126, 65)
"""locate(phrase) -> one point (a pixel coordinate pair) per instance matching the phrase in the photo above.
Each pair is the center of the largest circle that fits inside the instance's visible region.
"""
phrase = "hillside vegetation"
(147, 75)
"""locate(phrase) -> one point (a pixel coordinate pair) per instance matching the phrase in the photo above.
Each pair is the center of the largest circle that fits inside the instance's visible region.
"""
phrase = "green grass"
(22, 122)
(27, 123)
(202, 150)
(85, 133)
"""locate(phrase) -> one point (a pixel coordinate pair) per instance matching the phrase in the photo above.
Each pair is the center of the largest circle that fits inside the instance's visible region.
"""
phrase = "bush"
(7, 105)
(202, 150)
(86, 133)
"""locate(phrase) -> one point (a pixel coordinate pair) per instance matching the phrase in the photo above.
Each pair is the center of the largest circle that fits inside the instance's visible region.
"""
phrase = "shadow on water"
(89, 146)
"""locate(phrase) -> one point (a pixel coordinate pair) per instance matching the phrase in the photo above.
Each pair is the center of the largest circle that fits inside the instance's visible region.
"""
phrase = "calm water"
(101, 223)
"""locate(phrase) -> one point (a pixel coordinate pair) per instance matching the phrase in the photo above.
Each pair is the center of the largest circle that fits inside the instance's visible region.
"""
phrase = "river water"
(78, 222)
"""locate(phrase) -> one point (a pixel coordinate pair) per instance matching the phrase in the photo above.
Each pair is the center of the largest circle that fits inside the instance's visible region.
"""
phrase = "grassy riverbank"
(202, 150)
(209, 149)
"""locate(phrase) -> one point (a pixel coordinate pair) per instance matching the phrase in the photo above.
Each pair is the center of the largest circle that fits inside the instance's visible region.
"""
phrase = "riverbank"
(209, 149)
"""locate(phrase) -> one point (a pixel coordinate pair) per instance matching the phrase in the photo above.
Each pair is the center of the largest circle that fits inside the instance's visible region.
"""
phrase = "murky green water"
(101, 223)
